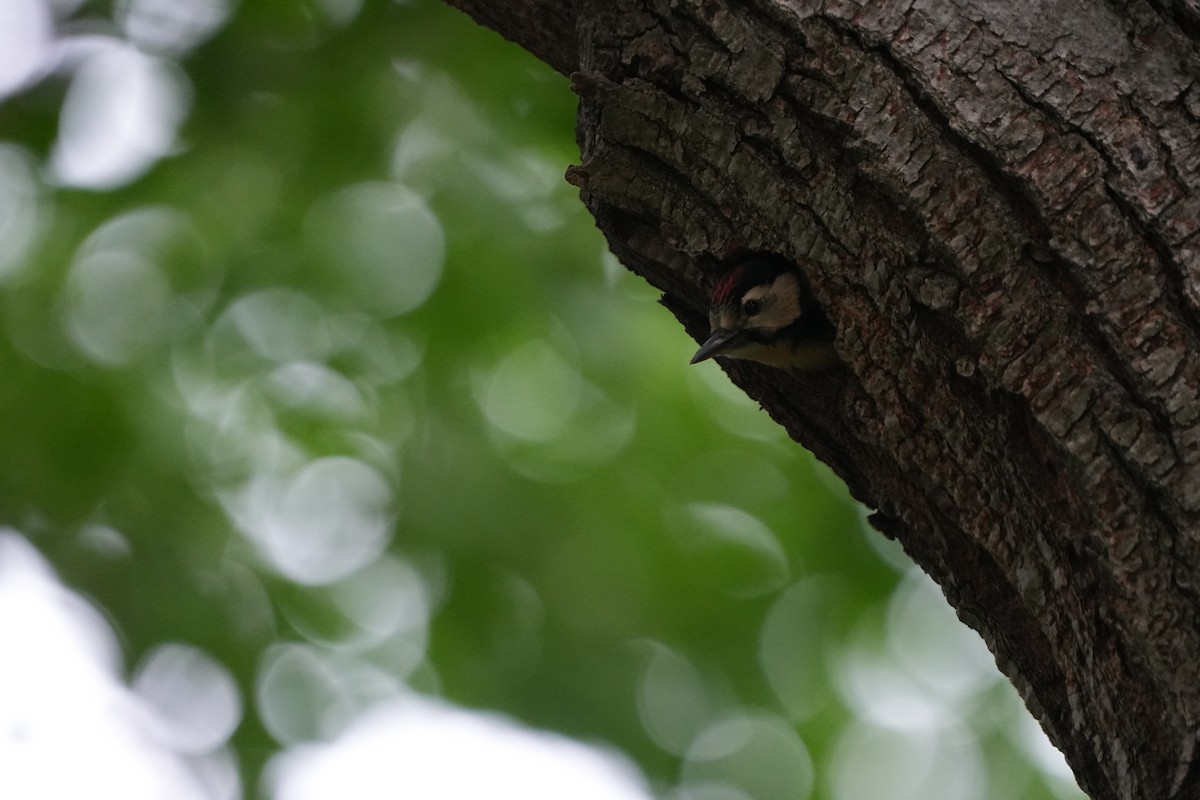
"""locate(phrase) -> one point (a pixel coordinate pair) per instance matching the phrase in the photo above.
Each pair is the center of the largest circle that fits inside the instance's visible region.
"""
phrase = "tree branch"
(1000, 210)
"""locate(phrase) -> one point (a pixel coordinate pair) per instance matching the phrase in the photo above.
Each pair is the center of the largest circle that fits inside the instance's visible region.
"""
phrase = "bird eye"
(752, 307)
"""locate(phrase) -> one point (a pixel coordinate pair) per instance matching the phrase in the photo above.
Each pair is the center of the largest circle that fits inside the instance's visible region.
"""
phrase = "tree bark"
(998, 203)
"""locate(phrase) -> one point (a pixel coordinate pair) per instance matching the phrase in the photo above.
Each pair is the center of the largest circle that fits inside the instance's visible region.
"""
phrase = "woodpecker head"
(761, 311)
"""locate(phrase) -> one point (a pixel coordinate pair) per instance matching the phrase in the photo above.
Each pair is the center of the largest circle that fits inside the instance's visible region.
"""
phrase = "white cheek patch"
(787, 285)
(782, 302)
(759, 292)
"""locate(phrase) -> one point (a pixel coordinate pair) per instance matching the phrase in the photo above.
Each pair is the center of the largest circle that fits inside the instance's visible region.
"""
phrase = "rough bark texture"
(998, 202)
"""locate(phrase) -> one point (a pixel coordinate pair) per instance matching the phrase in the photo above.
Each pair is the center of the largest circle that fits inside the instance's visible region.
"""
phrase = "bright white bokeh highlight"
(170, 27)
(194, 699)
(303, 693)
(120, 116)
(280, 325)
(69, 727)
(417, 748)
(385, 242)
(947, 657)
(923, 688)
(120, 301)
(1036, 745)
(927, 672)
(317, 390)
(328, 519)
(386, 600)
(870, 762)
(25, 43)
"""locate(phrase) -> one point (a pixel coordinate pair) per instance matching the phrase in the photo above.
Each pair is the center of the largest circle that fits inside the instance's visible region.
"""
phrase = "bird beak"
(713, 347)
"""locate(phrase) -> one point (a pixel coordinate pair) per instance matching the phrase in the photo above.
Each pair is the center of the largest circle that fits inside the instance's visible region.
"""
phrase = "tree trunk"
(998, 203)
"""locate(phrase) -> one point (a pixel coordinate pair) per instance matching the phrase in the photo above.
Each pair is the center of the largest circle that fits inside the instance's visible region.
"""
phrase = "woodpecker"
(762, 311)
